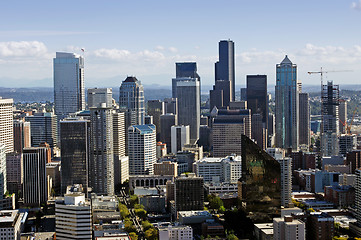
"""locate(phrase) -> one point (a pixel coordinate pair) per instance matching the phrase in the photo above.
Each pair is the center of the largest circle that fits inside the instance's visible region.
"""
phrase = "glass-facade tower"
(260, 183)
(287, 105)
(69, 93)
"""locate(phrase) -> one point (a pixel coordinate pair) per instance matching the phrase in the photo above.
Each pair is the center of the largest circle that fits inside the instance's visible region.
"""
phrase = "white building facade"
(73, 217)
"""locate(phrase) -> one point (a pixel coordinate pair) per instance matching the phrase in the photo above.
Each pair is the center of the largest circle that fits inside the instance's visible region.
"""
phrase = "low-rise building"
(166, 168)
(73, 217)
(11, 223)
(341, 195)
(180, 232)
(221, 188)
(228, 169)
(320, 226)
(193, 217)
(288, 228)
(153, 203)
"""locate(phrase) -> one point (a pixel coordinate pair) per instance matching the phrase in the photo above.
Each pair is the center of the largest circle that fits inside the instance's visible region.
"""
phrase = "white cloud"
(356, 5)
(111, 53)
(159, 48)
(173, 49)
(125, 55)
(22, 49)
(256, 56)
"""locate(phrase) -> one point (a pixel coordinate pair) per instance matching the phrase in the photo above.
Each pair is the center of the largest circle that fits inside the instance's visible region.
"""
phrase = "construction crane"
(323, 72)
(348, 129)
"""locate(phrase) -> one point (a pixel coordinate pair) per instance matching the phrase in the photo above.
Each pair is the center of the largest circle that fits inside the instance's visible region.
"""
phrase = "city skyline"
(147, 43)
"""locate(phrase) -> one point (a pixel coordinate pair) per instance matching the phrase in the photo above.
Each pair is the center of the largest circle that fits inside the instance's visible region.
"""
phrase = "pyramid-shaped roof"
(286, 60)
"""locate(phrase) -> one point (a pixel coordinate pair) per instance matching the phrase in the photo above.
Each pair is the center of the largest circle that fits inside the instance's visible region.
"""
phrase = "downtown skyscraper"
(188, 93)
(330, 119)
(257, 101)
(224, 88)
(69, 93)
(131, 100)
(287, 105)
(101, 164)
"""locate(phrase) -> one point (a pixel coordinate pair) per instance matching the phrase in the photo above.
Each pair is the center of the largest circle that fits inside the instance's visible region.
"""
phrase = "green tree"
(222, 209)
(133, 200)
(140, 213)
(124, 212)
(151, 234)
(129, 226)
(146, 225)
(232, 237)
(138, 206)
(214, 202)
(133, 236)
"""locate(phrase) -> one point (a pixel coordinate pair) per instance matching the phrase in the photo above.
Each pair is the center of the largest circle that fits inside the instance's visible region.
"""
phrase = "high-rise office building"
(69, 93)
(22, 135)
(43, 127)
(14, 172)
(287, 105)
(156, 108)
(228, 126)
(189, 109)
(167, 121)
(330, 119)
(184, 70)
(141, 149)
(218, 96)
(75, 137)
(131, 99)
(97, 96)
(257, 102)
(304, 116)
(342, 114)
(179, 136)
(189, 193)
(261, 180)
(101, 164)
(6, 124)
(257, 98)
(225, 69)
(35, 190)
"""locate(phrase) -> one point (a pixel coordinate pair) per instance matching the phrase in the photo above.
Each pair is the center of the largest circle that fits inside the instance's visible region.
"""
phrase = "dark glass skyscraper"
(258, 103)
(75, 136)
(257, 96)
(224, 68)
(260, 183)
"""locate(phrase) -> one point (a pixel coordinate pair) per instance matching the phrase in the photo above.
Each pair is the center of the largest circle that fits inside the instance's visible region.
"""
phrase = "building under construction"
(330, 101)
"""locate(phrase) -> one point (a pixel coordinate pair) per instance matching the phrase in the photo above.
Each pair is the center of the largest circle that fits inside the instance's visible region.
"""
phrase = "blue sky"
(146, 38)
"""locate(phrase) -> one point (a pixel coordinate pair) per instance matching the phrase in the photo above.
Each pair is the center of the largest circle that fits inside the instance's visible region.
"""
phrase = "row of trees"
(150, 232)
